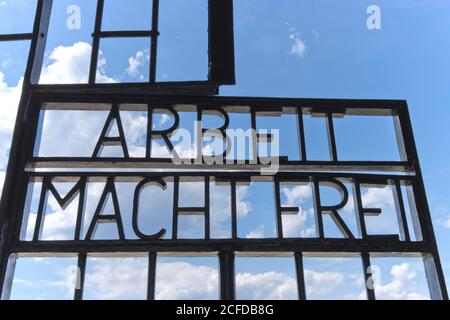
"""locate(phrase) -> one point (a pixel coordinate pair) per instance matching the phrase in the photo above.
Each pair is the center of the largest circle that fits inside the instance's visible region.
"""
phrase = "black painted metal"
(81, 272)
(226, 265)
(153, 95)
(221, 42)
(368, 276)
(22, 139)
(16, 37)
(221, 45)
(151, 281)
(300, 276)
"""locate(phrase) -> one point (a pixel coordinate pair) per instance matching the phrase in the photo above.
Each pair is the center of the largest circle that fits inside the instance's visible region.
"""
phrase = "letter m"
(63, 201)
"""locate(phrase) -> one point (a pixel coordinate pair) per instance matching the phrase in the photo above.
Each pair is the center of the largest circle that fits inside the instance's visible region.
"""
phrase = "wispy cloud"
(443, 222)
(257, 233)
(136, 62)
(298, 46)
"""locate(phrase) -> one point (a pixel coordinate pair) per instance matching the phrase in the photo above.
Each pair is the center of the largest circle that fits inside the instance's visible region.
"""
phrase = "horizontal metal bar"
(289, 211)
(192, 106)
(127, 34)
(191, 211)
(187, 88)
(224, 175)
(101, 93)
(85, 162)
(236, 245)
(16, 37)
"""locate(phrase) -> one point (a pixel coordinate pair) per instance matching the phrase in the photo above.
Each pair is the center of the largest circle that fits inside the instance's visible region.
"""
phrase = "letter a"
(374, 20)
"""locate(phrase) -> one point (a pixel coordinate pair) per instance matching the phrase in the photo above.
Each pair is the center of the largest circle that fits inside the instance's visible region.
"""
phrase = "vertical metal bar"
(434, 272)
(414, 213)
(81, 272)
(331, 137)
(221, 42)
(400, 209)
(24, 213)
(176, 190)
(41, 211)
(279, 219)
(81, 207)
(318, 212)
(361, 222)
(151, 280)
(96, 41)
(38, 132)
(300, 276)
(301, 134)
(233, 210)
(370, 290)
(154, 41)
(39, 50)
(123, 141)
(227, 281)
(254, 136)
(9, 277)
(430, 266)
(400, 140)
(148, 149)
(207, 209)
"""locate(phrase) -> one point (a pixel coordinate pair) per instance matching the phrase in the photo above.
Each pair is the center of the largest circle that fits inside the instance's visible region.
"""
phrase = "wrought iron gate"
(25, 168)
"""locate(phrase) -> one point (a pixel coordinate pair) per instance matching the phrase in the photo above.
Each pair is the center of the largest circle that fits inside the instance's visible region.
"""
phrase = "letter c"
(137, 194)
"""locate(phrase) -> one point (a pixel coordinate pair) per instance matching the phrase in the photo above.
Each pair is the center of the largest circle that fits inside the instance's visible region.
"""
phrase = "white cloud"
(258, 233)
(119, 278)
(243, 205)
(269, 285)
(59, 224)
(135, 63)
(66, 65)
(181, 280)
(70, 64)
(7, 60)
(127, 277)
(296, 225)
(25, 283)
(63, 279)
(164, 119)
(444, 222)
(402, 286)
(382, 198)
(298, 46)
(296, 195)
(377, 197)
(320, 283)
(124, 278)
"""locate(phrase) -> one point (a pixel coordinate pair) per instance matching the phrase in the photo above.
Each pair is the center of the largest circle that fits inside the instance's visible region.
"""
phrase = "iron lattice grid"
(38, 97)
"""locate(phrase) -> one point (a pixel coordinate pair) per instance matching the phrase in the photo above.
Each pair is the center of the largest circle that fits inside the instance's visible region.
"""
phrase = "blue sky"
(307, 49)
